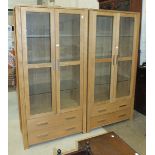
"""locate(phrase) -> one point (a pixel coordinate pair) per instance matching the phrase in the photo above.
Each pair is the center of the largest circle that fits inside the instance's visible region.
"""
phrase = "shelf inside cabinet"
(69, 94)
(38, 36)
(69, 35)
(40, 103)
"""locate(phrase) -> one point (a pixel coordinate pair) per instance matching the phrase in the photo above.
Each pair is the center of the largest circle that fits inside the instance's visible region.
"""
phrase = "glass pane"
(38, 37)
(123, 78)
(40, 90)
(69, 29)
(102, 81)
(126, 36)
(104, 32)
(70, 86)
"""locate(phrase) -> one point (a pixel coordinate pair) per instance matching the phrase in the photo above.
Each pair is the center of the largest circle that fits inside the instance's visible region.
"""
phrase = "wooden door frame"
(50, 65)
(132, 58)
(92, 60)
(82, 62)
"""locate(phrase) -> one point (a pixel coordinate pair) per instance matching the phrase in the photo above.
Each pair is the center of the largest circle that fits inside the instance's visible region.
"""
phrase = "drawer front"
(54, 121)
(53, 133)
(106, 119)
(106, 108)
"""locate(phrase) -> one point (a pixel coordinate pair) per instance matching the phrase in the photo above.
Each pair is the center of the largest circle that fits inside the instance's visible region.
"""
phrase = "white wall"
(78, 3)
(12, 3)
(64, 3)
(143, 34)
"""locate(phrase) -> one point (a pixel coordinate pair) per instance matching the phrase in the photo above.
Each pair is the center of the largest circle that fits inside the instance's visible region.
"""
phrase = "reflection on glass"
(123, 78)
(38, 37)
(40, 90)
(69, 86)
(104, 32)
(126, 36)
(69, 29)
(102, 81)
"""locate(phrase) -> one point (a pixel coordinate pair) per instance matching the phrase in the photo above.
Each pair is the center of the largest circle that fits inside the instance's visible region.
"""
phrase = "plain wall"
(143, 34)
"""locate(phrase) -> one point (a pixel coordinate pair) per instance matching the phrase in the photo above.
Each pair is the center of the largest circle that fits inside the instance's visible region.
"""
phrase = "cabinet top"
(73, 8)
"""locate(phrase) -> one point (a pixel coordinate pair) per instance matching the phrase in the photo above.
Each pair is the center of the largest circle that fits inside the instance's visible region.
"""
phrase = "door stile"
(91, 64)
(113, 65)
(82, 18)
(57, 60)
(53, 83)
(116, 47)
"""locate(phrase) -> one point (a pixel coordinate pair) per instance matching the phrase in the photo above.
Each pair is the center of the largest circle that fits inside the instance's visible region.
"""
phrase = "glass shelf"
(123, 78)
(126, 35)
(40, 103)
(102, 81)
(40, 92)
(67, 35)
(103, 36)
(38, 37)
(69, 86)
(104, 31)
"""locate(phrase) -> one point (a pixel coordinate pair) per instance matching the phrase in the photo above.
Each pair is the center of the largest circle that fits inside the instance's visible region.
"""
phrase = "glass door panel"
(40, 91)
(102, 81)
(104, 36)
(69, 36)
(123, 78)
(126, 36)
(69, 86)
(38, 37)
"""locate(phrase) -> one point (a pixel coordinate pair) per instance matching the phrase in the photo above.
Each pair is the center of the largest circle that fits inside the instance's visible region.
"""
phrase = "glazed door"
(69, 59)
(39, 61)
(101, 54)
(126, 55)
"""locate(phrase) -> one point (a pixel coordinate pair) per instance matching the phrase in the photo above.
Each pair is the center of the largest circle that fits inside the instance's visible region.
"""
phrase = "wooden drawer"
(109, 118)
(106, 108)
(54, 121)
(53, 133)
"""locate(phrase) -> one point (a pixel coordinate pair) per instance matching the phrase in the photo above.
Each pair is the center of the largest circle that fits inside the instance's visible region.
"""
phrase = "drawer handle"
(121, 106)
(69, 118)
(101, 121)
(42, 135)
(122, 115)
(103, 110)
(42, 123)
(71, 128)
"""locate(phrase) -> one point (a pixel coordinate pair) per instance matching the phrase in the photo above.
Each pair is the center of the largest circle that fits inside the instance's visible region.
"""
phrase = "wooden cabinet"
(51, 48)
(113, 46)
(59, 92)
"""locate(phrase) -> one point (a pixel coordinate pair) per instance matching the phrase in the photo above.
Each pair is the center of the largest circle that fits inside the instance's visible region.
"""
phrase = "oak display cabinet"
(113, 46)
(60, 93)
(51, 49)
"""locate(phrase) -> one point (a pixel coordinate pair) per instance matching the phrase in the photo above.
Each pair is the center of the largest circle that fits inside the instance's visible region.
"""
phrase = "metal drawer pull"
(122, 106)
(69, 118)
(42, 123)
(71, 128)
(101, 121)
(103, 110)
(43, 135)
(122, 115)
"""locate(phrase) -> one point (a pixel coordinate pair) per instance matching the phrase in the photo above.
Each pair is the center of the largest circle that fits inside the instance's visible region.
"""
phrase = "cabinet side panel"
(17, 80)
(135, 60)
(19, 58)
